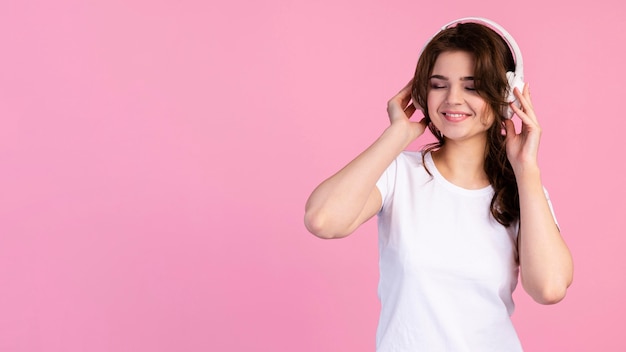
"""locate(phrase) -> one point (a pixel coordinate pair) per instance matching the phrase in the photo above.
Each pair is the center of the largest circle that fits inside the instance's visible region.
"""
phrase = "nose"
(455, 95)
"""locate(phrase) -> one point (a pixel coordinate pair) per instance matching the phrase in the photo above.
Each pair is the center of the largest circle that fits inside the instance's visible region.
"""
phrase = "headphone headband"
(517, 53)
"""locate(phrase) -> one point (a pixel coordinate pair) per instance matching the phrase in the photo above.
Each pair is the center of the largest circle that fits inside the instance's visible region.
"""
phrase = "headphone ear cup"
(515, 81)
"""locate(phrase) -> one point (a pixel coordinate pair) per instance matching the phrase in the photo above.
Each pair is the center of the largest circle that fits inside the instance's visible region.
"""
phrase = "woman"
(459, 220)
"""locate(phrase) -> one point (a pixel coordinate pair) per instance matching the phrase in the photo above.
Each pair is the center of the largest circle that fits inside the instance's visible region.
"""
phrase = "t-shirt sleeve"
(386, 183)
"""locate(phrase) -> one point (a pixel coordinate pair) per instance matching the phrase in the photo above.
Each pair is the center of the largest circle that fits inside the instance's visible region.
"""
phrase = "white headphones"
(516, 79)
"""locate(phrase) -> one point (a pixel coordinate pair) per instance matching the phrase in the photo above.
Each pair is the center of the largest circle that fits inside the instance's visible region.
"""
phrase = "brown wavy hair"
(492, 59)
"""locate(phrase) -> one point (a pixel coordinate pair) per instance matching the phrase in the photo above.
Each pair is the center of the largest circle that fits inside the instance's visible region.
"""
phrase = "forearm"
(545, 261)
(336, 206)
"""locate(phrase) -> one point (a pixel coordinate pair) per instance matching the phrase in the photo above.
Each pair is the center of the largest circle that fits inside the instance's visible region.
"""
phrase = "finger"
(527, 120)
(518, 111)
(409, 110)
(524, 97)
(406, 93)
(396, 101)
(526, 90)
(401, 102)
(526, 106)
(403, 96)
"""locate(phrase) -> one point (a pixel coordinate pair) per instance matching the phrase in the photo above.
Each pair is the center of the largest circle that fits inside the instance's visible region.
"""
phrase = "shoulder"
(410, 166)
(402, 169)
(412, 158)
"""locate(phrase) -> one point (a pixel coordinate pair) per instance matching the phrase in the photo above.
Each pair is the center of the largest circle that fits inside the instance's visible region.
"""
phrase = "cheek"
(433, 101)
(487, 117)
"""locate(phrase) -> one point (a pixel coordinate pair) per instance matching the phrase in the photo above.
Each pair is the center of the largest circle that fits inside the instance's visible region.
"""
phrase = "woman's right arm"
(341, 203)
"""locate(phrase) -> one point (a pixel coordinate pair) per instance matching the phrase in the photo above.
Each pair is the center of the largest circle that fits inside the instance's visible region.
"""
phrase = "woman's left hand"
(522, 148)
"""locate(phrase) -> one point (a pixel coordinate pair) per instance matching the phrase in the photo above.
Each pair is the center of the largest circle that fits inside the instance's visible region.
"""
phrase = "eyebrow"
(467, 78)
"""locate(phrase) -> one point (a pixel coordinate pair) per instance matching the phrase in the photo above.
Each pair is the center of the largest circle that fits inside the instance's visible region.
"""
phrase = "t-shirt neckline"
(439, 178)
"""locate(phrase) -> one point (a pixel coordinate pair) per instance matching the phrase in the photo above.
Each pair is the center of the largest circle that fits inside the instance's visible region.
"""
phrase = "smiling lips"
(455, 116)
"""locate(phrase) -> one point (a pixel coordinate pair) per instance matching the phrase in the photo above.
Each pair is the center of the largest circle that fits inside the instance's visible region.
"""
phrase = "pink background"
(156, 157)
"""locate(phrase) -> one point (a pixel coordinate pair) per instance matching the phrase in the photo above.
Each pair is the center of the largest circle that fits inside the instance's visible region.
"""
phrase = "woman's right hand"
(400, 109)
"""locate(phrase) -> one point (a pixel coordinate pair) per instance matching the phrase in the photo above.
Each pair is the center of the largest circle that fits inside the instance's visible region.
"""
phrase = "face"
(454, 106)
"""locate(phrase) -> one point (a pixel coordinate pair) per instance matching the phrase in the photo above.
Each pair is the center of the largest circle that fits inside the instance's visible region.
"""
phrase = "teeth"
(455, 115)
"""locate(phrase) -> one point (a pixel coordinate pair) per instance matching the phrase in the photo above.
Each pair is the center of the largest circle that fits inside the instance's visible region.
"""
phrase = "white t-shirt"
(447, 267)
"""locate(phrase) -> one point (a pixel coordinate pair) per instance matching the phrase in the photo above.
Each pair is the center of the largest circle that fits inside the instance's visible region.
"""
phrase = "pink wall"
(156, 157)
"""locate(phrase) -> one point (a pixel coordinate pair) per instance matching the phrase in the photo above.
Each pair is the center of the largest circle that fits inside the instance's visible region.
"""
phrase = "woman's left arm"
(546, 265)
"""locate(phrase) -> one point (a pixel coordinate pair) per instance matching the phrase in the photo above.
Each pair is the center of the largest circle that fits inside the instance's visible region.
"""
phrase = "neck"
(463, 164)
